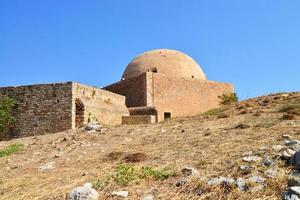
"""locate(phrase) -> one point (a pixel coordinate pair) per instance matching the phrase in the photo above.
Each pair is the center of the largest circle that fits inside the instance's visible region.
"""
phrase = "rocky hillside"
(241, 151)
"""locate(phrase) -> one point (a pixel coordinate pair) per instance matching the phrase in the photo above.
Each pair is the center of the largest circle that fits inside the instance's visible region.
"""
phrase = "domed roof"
(164, 61)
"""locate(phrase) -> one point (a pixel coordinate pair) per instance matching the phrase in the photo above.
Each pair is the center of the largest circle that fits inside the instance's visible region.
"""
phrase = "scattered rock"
(277, 147)
(242, 184)
(245, 169)
(163, 130)
(198, 192)
(190, 171)
(241, 126)
(256, 179)
(148, 197)
(294, 179)
(270, 173)
(267, 161)
(82, 193)
(221, 180)
(47, 166)
(288, 153)
(291, 142)
(263, 149)
(94, 126)
(295, 160)
(287, 136)
(121, 193)
(251, 158)
(181, 182)
(293, 193)
(247, 153)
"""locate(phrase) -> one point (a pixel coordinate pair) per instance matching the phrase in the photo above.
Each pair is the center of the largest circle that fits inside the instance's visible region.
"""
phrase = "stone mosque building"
(155, 86)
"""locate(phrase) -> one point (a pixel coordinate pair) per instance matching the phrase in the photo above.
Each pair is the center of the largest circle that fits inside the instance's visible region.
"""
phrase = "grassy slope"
(211, 143)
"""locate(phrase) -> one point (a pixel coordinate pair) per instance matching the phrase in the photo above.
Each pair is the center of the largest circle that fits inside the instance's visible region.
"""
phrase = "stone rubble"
(83, 193)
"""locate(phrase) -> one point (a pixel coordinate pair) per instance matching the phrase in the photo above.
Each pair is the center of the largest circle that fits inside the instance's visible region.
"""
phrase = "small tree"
(6, 114)
(226, 99)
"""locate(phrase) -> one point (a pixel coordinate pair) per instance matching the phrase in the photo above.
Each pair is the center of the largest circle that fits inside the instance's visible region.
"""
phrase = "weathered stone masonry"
(50, 108)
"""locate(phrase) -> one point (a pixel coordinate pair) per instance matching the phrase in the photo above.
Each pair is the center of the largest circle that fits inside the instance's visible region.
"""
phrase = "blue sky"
(255, 44)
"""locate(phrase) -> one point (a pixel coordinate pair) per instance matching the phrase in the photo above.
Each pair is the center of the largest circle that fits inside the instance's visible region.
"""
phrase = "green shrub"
(226, 99)
(6, 114)
(11, 149)
(124, 174)
(158, 174)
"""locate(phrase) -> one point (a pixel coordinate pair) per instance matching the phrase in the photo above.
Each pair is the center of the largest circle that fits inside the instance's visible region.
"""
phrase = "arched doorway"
(79, 113)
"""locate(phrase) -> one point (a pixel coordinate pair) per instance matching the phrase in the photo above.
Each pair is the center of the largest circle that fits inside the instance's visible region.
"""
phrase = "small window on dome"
(192, 76)
(154, 70)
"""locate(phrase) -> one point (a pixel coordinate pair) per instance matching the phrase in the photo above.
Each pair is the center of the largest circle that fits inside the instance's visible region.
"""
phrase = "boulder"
(94, 126)
(294, 179)
(293, 193)
(295, 160)
(83, 193)
(287, 154)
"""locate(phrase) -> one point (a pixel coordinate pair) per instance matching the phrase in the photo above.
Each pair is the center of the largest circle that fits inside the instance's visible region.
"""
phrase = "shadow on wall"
(79, 114)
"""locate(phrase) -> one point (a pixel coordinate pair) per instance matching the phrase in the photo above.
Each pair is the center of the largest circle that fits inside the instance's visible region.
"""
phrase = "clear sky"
(255, 44)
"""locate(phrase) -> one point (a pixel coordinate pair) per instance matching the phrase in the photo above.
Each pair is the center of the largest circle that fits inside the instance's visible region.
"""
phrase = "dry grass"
(211, 145)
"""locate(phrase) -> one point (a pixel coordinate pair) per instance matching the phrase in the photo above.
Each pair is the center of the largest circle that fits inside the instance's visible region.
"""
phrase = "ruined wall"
(185, 97)
(139, 119)
(100, 105)
(40, 109)
(134, 89)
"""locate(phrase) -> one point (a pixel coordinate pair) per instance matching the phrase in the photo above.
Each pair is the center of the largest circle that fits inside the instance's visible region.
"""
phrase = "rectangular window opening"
(167, 115)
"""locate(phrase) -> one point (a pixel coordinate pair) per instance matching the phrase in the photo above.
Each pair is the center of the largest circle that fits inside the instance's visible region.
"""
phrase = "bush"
(124, 174)
(226, 99)
(6, 114)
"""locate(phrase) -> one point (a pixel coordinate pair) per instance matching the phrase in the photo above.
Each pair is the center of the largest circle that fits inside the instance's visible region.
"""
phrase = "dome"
(164, 61)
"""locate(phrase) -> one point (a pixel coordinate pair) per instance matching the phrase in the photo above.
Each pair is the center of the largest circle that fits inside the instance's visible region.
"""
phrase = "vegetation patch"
(125, 174)
(6, 114)
(293, 108)
(227, 99)
(11, 149)
(213, 112)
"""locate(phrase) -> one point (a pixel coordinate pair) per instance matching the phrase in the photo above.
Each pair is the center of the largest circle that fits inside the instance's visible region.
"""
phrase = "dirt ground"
(212, 143)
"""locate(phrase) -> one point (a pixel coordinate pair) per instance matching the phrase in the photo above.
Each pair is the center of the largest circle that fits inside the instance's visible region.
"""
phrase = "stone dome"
(164, 61)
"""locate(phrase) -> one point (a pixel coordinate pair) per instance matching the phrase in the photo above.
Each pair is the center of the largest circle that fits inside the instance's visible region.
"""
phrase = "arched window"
(154, 70)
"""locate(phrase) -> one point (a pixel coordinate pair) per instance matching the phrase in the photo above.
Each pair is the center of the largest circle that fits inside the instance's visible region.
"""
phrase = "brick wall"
(100, 105)
(40, 109)
(134, 89)
(185, 97)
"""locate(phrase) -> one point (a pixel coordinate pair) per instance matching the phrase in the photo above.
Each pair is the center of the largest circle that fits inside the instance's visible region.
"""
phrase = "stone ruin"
(155, 86)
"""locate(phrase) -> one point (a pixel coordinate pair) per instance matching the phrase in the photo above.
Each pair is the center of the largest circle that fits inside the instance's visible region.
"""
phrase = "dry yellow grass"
(209, 143)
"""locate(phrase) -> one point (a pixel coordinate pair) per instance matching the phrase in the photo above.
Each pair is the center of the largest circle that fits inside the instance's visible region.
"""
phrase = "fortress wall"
(186, 97)
(100, 105)
(134, 89)
(40, 109)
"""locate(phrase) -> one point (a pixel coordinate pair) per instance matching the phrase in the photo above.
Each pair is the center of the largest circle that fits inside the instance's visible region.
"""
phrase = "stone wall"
(100, 105)
(139, 119)
(134, 89)
(185, 97)
(40, 109)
